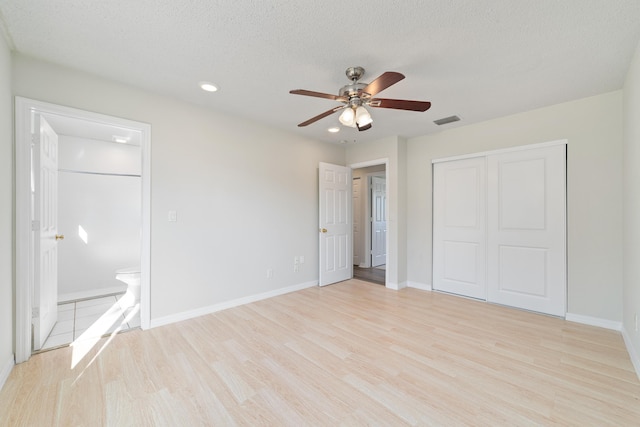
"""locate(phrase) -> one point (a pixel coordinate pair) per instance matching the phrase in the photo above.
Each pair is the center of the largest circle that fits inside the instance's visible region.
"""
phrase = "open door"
(45, 229)
(378, 221)
(335, 226)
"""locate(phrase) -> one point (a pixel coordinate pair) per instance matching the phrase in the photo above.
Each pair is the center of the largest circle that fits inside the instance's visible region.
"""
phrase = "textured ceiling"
(478, 59)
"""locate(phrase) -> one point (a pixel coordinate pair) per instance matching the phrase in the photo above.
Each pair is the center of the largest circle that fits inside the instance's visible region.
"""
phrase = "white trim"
(418, 285)
(377, 162)
(396, 286)
(23, 232)
(635, 358)
(594, 321)
(145, 253)
(23, 109)
(92, 293)
(502, 151)
(185, 315)
(6, 370)
(393, 286)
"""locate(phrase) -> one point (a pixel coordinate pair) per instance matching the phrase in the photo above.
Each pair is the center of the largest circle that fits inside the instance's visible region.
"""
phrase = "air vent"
(446, 120)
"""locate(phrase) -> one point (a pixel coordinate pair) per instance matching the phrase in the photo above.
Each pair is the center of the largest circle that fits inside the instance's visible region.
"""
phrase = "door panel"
(459, 242)
(357, 226)
(335, 224)
(526, 229)
(45, 185)
(379, 221)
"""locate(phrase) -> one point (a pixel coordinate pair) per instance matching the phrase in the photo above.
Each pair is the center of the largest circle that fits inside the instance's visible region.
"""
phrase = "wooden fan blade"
(321, 116)
(399, 104)
(381, 83)
(318, 94)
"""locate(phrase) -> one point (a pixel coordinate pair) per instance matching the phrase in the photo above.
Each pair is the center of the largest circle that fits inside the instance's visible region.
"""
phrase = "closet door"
(526, 229)
(459, 222)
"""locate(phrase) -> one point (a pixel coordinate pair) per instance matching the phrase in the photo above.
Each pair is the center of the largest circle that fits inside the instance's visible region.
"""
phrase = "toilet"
(130, 276)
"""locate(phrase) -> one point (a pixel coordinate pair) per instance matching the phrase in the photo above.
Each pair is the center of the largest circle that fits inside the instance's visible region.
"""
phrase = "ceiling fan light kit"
(357, 117)
(356, 95)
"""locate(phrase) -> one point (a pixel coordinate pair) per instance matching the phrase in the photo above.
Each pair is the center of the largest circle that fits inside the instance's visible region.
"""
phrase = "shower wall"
(99, 212)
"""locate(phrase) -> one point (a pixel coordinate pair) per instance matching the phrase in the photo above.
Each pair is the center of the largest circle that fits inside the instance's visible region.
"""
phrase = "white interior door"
(526, 229)
(357, 220)
(45, 230)
(459, 227)
(378, 221)
(335, 224)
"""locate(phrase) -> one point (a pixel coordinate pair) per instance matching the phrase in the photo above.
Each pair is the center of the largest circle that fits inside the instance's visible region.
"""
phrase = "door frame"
(24, 245)
(366, 164)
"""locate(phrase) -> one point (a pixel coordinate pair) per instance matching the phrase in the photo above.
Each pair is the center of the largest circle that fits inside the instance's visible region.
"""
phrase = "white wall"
(593, 127)
(631, 291)
(6, 213)
(394, 150)
(240, 190)
(106, 207)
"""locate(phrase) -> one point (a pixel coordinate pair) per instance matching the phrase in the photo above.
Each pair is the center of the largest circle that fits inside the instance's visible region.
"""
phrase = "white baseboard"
(610, 324)
(396, 286)
(6, 370)
(185, 315)
(635, 358)
(92, 293)
(418, 285)
(594, 321)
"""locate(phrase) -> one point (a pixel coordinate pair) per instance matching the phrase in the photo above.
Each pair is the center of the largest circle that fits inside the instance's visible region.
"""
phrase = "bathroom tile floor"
(91, 318)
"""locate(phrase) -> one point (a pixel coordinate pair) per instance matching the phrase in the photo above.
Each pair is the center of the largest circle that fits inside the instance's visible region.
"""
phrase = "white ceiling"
(478, 59)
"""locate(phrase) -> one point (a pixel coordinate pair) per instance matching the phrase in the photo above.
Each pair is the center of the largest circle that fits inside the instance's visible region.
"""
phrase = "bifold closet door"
(526, 265)
(459, 223)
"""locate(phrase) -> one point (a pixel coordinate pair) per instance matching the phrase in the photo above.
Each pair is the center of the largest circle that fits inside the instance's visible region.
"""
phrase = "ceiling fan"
(356, 95)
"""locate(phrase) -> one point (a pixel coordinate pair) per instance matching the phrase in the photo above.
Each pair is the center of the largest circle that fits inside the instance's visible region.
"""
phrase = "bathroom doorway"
(370, 224)
(99, 214)
(89, 205)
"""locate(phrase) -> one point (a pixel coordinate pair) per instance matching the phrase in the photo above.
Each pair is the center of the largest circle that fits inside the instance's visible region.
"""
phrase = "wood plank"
(353, 353)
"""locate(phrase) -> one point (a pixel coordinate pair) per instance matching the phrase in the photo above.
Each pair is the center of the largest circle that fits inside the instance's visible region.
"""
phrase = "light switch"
(173, 216)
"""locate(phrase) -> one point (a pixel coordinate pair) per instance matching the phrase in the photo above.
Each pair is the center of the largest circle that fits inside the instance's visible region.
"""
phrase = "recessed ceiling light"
(120, 139)
(334, 129)
(209, 87)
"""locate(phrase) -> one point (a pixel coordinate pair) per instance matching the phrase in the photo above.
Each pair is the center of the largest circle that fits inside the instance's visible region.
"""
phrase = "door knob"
(323, 230)
(59, 236)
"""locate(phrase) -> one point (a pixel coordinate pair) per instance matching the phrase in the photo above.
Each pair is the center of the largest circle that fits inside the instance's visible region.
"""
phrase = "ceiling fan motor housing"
(351, 92)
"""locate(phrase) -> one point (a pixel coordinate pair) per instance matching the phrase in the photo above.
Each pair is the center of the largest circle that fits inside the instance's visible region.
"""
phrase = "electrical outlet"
(296, 260)
(172, 216)
(269, 273)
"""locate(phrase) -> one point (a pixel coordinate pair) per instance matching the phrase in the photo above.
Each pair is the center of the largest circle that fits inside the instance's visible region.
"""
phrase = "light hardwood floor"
(353, 353)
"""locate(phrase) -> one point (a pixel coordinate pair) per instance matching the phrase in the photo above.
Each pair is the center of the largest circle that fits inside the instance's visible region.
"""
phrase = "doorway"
(102, 167)
(370, 209)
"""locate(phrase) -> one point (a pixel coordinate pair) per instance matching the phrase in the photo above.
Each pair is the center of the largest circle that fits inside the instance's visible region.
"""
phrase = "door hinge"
(35, 225)
(35, 312)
